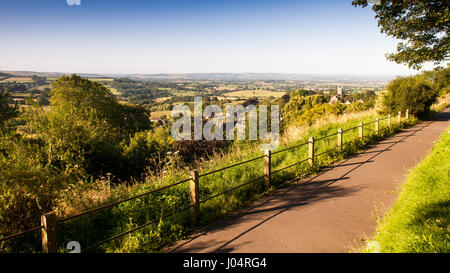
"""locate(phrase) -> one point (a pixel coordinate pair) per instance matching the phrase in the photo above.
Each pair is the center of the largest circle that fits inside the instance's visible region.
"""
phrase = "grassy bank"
(420, 219)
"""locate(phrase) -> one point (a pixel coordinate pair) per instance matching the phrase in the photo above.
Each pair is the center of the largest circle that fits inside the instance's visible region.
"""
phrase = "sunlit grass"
(420, 219)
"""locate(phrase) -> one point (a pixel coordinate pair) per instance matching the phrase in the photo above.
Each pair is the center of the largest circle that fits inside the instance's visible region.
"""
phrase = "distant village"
(339, 97)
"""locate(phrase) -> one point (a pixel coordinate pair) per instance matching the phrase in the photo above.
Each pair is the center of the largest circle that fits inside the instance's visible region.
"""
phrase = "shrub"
(299, 105)
(414, 93)
(28, 186)
(147, 149)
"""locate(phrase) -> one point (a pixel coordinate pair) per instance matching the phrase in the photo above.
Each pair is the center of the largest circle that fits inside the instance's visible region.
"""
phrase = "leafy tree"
(39, 80)
(72, 139)
(414, 93)
(29, 186)
(75, 94)
(133, 119)
(86, 127)
(91, 99)
(423, 25)
(302, 92)
(12, 87)
(367, 96)
(440, 79)
(147, 150)
(299, 105)
(44, 97)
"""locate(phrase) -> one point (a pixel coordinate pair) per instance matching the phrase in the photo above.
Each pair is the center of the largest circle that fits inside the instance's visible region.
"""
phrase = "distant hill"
(46, 74)
(259, 76)
(215, 76)
(5, 74)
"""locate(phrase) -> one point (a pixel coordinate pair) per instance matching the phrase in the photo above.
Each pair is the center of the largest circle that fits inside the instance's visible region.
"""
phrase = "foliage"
(29, 185)
(367, 97)
(440, 80)
(140, 92)
(423, 25)
(73, 139)
(44, 97)
(148, 150)
(302, 92)
(86, 127)
(6, 112)
(299, 105)
(414, 93)
(12, 87)
(88, 99)
(305, 110)
(39, 80)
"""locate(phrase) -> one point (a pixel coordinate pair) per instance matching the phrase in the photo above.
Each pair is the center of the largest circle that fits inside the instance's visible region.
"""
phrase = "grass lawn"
(420, 219)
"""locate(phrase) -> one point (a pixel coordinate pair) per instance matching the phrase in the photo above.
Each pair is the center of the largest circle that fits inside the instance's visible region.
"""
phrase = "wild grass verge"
(419, 222)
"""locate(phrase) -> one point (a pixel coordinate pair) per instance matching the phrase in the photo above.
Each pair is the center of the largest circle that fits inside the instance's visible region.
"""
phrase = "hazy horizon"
(257, 76)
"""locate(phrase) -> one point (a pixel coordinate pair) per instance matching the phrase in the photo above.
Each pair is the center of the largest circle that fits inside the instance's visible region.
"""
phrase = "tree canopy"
(423, 27)
(39, 80)
(75, 95)
(415, 93)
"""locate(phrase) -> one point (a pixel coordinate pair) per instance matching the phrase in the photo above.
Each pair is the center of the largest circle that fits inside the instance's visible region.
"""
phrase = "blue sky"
(189, 36)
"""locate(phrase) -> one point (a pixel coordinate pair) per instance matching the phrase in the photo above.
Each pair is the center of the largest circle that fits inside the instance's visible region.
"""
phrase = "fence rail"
(49, 221)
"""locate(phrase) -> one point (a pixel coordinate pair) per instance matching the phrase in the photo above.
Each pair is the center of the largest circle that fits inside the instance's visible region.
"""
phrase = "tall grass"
(441, 103)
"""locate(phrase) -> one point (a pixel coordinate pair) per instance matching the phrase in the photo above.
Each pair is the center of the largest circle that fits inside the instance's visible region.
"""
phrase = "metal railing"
(49, 220)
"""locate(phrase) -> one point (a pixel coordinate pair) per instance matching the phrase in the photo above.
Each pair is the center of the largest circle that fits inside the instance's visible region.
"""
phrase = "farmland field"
(101, 79)
(161, 99)
(254, 93)
(157, 114)
(17, 79)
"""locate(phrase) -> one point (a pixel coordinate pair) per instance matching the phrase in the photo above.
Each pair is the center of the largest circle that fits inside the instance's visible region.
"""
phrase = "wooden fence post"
(399, 117)
(311, 151)
(194, 195)
(377, 126)
(389, 120)
(267, 167)
(48, 223)
(339, 139)
(360, 130)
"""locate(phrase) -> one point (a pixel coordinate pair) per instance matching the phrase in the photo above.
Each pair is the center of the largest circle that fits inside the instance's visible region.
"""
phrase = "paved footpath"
(333, 211)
